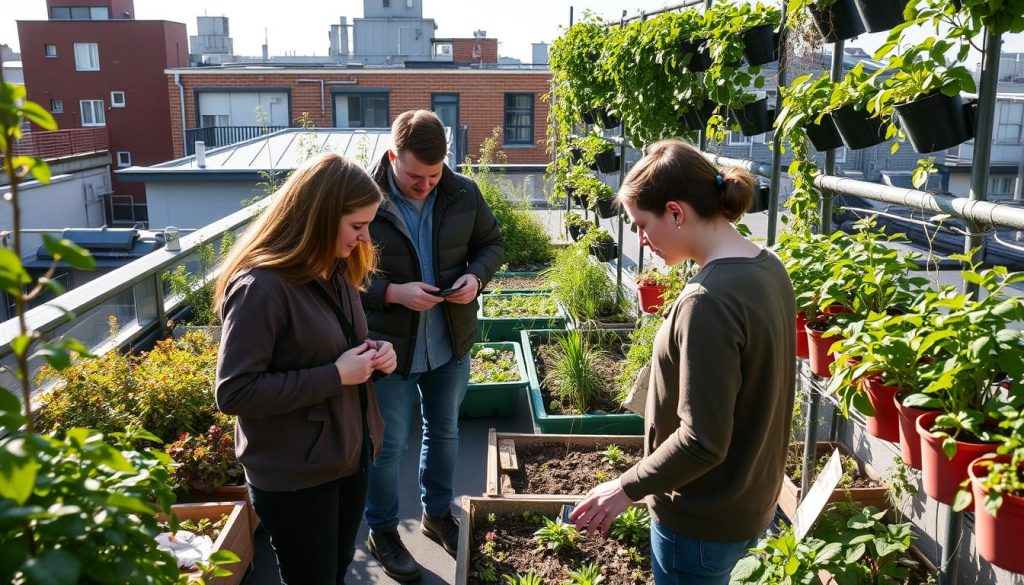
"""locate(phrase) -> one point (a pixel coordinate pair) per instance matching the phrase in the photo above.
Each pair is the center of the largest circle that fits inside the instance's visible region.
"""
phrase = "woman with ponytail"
(720, 396)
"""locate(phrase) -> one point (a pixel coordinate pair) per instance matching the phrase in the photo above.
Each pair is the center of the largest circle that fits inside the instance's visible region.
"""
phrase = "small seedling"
(530, 578)
(600, 475)
(492, 518)
(613, 455)
(589, 574)
(632, 526)
(556, 535)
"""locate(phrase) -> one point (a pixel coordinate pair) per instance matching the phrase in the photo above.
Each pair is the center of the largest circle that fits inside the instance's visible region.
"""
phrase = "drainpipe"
(181, 101)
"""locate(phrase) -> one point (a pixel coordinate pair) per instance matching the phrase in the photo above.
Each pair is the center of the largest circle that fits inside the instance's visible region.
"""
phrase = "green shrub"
(168, 391)
(526, 238)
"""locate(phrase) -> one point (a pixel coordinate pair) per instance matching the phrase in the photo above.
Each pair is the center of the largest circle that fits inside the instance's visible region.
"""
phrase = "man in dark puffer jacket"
(434, 232)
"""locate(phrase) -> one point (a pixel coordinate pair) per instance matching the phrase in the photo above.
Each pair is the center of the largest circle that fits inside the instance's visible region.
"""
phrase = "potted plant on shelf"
(859, 126)
(576, 225)
(805, 256)
(578, 77)
(925, 93)
(650, 285)
(757, 24)
(836, 20)
(880, 15)
(975, 340)
(805, 107)
(602, 245)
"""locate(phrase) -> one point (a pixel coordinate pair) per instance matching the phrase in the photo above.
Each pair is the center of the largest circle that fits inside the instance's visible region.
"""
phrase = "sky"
(301, 26)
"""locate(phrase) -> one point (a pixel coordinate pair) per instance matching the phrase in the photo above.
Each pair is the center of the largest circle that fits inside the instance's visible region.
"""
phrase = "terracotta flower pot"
(650, 298)
(801, 336)
(910, 440)
(817, 347)
(940, 475)
(885, 424)
(998, 537)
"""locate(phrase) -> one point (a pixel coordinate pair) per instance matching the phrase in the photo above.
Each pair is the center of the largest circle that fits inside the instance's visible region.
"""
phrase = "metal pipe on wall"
(776, 174)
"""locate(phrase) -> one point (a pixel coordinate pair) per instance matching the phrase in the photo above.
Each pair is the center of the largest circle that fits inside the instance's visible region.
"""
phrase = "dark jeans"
(313, 530)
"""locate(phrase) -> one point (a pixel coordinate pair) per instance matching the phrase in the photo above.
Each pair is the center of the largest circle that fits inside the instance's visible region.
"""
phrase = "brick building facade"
(476, 100)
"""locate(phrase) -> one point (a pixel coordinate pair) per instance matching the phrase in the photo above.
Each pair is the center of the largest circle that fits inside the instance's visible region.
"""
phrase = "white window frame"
(739, 139)
(93, 109)
(47, 53)
(117, 99)
(87, 57)
(124, 158)
(56, 106)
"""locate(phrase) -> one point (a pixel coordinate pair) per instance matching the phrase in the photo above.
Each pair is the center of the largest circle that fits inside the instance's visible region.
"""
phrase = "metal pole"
(568, 198)
(773, 196)
(810, 438)
(983, 145)
(622, 178)
(838, 50)
(1018, 187)
(702, 139)
(949, 570)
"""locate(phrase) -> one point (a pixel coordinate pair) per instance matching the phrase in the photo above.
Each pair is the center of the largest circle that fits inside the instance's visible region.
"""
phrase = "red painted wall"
(481, 99)
(133, 55)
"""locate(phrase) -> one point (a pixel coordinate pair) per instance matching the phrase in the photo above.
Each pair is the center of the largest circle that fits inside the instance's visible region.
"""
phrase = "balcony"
(50, 145)
(1002, 155)
(214, 136)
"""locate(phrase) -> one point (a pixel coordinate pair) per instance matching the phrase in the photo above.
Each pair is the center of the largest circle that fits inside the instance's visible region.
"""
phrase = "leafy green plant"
(639, 350)
(204, 462)
(589, 574)
(168, 391)
(805, 101)
(526, 238)
(556, 535)
(492, 365)
(196, 289)
(600, 475)
(633, 526)
(582, 285)
(999, 478)
(575, 378)
(529, 578)
(520, 305)
(873, 551)
(784, 559)
(614, 455)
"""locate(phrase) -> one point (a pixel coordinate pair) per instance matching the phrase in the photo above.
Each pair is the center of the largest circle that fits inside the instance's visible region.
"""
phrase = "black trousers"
(313, 530)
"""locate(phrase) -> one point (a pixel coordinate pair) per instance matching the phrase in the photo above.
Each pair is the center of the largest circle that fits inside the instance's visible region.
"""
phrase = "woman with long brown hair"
(295, 365)
(720, 394)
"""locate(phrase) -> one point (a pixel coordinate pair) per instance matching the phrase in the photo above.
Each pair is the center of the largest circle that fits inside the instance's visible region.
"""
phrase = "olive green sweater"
(720, 401)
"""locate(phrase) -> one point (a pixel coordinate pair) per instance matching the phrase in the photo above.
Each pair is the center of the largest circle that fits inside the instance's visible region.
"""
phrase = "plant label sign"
(817, 496)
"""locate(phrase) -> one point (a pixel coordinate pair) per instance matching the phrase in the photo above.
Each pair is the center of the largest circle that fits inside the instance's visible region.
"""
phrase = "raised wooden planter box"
(624, 423)
(790, 496)
(225, 493)
(501, 457)
(236, 536)
(487, 399)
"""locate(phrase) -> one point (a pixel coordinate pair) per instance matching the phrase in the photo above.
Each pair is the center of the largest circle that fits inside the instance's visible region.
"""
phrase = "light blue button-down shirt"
(433, 345)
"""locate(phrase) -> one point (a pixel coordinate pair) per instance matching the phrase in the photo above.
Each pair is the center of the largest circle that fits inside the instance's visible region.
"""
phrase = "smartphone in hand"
(448, 291)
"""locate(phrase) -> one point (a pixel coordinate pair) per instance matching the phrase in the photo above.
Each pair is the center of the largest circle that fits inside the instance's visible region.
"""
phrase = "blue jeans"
(681, 560)
(440, 392)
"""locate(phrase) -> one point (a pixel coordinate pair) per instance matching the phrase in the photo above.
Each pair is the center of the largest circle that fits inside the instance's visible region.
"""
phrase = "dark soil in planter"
(609, 369)
(852, 478)
(515, 551)
(518, 282)
(525, 267)
(501, 368)
(551, 468)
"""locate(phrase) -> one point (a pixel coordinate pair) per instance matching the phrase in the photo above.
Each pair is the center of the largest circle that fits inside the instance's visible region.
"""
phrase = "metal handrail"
(47, 318)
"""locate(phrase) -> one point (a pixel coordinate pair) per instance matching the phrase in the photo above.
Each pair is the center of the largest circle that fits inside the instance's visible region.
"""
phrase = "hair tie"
(719, 180)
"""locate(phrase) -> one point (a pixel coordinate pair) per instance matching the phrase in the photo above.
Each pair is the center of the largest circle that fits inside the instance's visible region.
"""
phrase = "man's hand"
(468, 288)
(413, 295)
(601, 507)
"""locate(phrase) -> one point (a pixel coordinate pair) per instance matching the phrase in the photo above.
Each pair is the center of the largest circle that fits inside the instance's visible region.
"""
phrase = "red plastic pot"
(801, 336)
(998, 537)
(885, 424)
(940, 475)
(650, 298)
(817, 348)
(910, 440)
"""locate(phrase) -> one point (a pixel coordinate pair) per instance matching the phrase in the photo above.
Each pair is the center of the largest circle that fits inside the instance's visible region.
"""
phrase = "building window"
(57, 106)
(87, 57)
(117, 99)
(99, 13)
(124, 158)
(79, 13)
(738, 139)
(212, 120)
(1011, 119)
(60, 13)
(1000, 186)
(519, 118)
(92, 113)
(361, 110)
(387, 3)
(50, 51)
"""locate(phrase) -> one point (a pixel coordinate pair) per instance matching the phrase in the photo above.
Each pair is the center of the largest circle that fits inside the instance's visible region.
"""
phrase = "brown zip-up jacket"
(299, 425)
